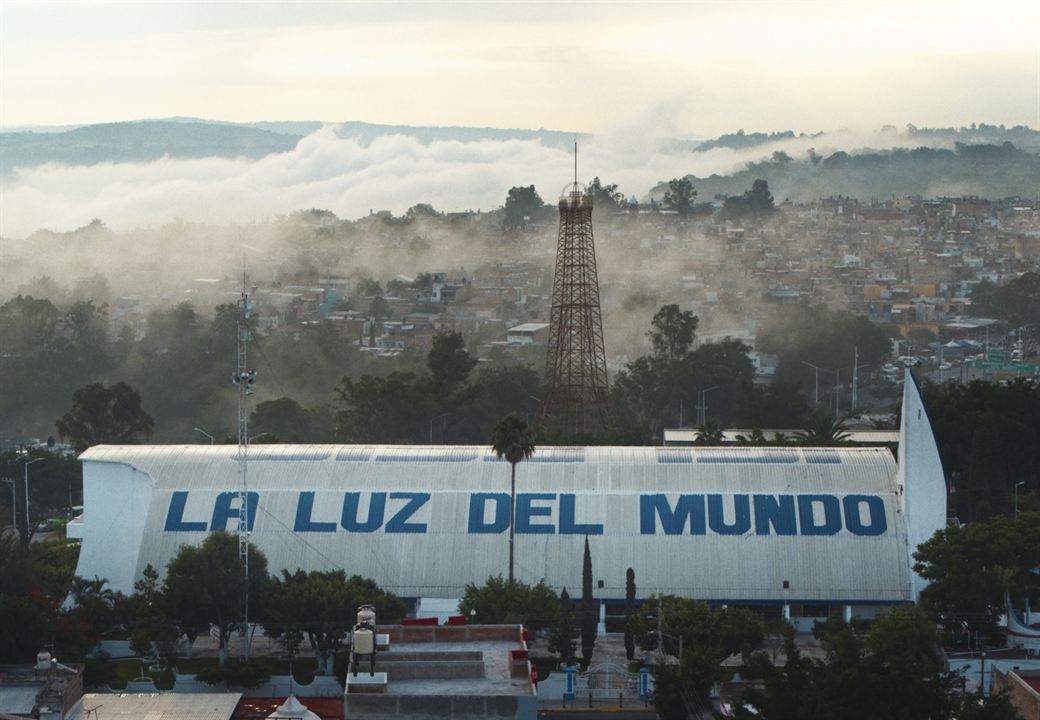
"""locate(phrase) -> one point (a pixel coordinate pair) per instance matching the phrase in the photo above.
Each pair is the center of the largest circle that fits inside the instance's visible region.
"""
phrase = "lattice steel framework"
(576, 367)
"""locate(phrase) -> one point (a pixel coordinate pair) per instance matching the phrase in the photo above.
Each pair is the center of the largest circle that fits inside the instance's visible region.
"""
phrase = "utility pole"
(28, 532)
(244, 379)
(837, 392)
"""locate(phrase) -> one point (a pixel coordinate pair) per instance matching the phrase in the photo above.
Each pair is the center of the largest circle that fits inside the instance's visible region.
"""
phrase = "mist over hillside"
(993, 171)
(140, 174)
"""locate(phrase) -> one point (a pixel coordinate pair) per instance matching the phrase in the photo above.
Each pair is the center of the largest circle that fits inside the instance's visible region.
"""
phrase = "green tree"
(589, 607)
(521, 203)
(709, 434)
(606, 197)
(630, 608)
(708, 636)
(672, 332)
(449, 362)
(823, 430)
(512, 439)
(102, 414)
(322, 606)
(1018, 302)
(391, 409)
(680, 196)
(283, 418)
(759, 199)
(970, 567)
(207, 580)
(501, 601)
(562, 640)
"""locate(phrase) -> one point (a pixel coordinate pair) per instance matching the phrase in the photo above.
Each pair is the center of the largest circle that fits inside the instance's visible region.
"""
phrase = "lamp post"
(211, 438)
(704, 403)
(1020, 482)
(27, 464)
(432, 420)
(816, 381)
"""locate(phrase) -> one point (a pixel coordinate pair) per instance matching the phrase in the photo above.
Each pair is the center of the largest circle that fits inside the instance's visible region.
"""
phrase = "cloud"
(391, 173)
(323, 171)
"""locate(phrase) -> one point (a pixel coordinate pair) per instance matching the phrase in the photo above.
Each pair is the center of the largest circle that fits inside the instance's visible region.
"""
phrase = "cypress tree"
(563, 637)
(589, 611)
(630, 607)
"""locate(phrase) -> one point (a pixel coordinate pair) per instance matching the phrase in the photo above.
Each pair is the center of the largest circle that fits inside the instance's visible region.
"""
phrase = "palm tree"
(512, 440)
(709, 434)
(824, 429)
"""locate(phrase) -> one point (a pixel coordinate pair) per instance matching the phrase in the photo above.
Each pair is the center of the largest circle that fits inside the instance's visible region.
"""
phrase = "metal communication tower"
(576, 367)
(245, 380)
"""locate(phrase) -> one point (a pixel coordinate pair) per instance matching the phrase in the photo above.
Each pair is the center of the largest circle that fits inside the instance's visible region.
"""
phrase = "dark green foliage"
(206, 581)
(672, 332)
(522, 202)
(680, 196)
(970, 567)
(500, 601)
(449, 362)
(562, 640)
(997, 170)
(653, 391)
(589, 614)
(989, 439)
(97, 670)
(237, 673)
(606, 197)
(823, 430)
(322, 607)
(823, 337)
(48, 351)
(1018, 302)
(100, 414)
(709, 636)
(55, 484)
(391, 409)
(286, 420)
(630, 608)
(893, 670)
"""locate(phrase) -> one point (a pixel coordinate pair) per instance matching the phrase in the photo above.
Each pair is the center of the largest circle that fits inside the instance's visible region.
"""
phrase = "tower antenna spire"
(244, 378)
(575, 369)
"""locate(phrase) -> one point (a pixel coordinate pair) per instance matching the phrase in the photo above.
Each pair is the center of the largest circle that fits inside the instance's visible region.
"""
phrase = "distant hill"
(993, 171)
(1023, 137)
(180, 137)
(139, 142)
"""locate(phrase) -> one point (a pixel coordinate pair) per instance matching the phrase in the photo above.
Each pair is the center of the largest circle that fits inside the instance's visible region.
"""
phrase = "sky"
(695, 69)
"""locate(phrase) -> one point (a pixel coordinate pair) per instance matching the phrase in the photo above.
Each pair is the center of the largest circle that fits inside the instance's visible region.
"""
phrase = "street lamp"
(704, 403)
(211, 438)
(27, 464)
(1020, 482)
(432, 420)
(816, 382)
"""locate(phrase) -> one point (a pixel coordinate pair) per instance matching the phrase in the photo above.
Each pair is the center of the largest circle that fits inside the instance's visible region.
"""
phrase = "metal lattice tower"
(576, 367)
(244, 379)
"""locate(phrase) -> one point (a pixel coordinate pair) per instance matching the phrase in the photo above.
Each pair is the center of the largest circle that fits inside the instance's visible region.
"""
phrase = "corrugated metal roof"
(564, 490)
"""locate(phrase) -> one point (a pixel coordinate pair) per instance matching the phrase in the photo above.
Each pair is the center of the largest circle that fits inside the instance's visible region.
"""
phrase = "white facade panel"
(728, 524)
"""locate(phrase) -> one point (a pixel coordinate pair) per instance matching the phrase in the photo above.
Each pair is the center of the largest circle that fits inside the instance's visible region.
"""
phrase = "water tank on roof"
(366, 616)
(43, 661)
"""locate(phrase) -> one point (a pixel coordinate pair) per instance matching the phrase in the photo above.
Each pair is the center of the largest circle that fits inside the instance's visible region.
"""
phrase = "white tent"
(293, 708)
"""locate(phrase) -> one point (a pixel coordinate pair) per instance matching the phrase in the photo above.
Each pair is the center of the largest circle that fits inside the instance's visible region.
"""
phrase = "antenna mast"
(244, 379)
